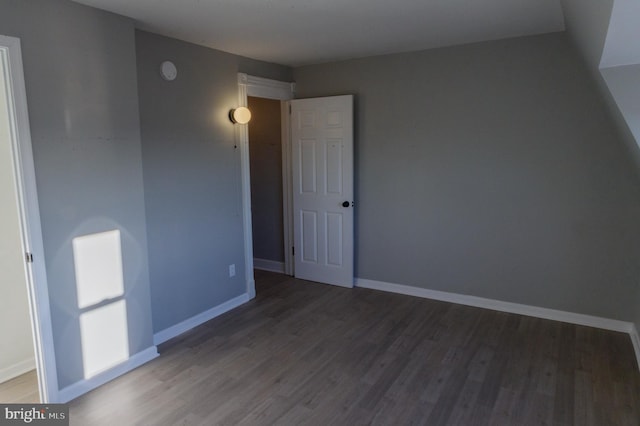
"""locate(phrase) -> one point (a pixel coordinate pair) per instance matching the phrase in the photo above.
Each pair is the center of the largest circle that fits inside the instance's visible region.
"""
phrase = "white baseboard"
(498, 305)
(251, 288)
(188, 324)
(17, 369)
(268, 265)
(635, 340)
(83, 386)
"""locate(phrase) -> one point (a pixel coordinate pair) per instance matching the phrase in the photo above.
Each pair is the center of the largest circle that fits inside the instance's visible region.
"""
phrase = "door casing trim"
(271, 89)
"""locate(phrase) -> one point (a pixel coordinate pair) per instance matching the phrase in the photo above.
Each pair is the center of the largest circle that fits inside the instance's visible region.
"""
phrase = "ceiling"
(621, 46)
(300, 32)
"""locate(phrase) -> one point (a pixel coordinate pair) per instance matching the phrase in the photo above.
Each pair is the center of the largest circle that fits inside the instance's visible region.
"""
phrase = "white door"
(322, 169)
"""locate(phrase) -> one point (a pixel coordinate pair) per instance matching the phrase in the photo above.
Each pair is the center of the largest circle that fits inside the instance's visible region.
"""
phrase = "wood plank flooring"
(22, 389)
(307, 353)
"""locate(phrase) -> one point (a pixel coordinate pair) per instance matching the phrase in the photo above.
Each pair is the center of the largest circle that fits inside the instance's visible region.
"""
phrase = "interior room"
(430, 216)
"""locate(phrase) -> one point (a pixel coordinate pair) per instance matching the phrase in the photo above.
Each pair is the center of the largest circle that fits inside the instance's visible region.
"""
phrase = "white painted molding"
(498, 305)
(262, 88)
(271, 89)
(31, 228)
(242, 138)
(251, 286)
(196, 320)
(83, 386)
(17, 369)
(635, 340)
(268, 265)
(287, 188)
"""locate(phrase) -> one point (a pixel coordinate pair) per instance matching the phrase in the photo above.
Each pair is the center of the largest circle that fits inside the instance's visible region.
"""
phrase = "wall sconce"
(240, 115)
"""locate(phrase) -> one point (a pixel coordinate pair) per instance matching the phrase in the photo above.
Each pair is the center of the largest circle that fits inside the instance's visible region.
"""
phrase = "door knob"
(345, 204)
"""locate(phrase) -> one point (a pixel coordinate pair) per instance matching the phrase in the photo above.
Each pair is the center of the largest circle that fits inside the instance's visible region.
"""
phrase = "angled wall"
(624, 84)
(587, 22)
(621, 46)
(606, 33)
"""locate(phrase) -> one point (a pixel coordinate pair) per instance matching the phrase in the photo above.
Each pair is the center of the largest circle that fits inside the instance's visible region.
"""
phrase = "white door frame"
(271, 89)
(29, 214)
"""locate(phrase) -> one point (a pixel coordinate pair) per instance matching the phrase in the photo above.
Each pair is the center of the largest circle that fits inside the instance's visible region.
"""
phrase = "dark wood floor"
(306, 353)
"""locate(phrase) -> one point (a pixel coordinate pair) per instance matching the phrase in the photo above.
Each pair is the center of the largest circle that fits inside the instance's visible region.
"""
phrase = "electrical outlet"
(232, 270)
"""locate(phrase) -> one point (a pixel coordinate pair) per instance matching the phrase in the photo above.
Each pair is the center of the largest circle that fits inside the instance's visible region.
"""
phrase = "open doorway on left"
(18, 378)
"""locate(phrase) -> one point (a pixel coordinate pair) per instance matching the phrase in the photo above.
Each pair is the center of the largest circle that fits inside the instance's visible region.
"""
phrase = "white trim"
(259, 87)
(514, 308)
(498, 305)
(83, 386)
(268, 265)
(17, 369)
(196, 320)
(242, 138)
(635, 341)
(287, 188)
(262, 88)
(31, 230)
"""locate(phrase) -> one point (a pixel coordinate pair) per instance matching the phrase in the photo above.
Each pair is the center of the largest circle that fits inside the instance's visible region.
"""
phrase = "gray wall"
(80, 75)
(636, 313)
(624, 85)
(265, 151)
(192, 175)
(492, 170)
(587, 24)
(636, 317)
(587, 21)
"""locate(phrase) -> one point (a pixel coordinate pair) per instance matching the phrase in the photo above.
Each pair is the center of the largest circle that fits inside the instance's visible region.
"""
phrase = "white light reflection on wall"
(98, 262)
(100, 289)
(105, 341)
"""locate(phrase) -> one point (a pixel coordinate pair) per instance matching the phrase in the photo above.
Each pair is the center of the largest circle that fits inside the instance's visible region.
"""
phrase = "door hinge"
(28, 257)
(293, 251)
(289, 109)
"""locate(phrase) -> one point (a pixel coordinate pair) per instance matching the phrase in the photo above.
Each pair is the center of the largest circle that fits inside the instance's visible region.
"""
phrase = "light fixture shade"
(240, 115)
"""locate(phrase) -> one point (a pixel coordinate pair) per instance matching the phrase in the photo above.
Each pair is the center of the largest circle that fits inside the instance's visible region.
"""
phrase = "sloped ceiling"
(622, 45)
(608, 34)
(297, 32)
